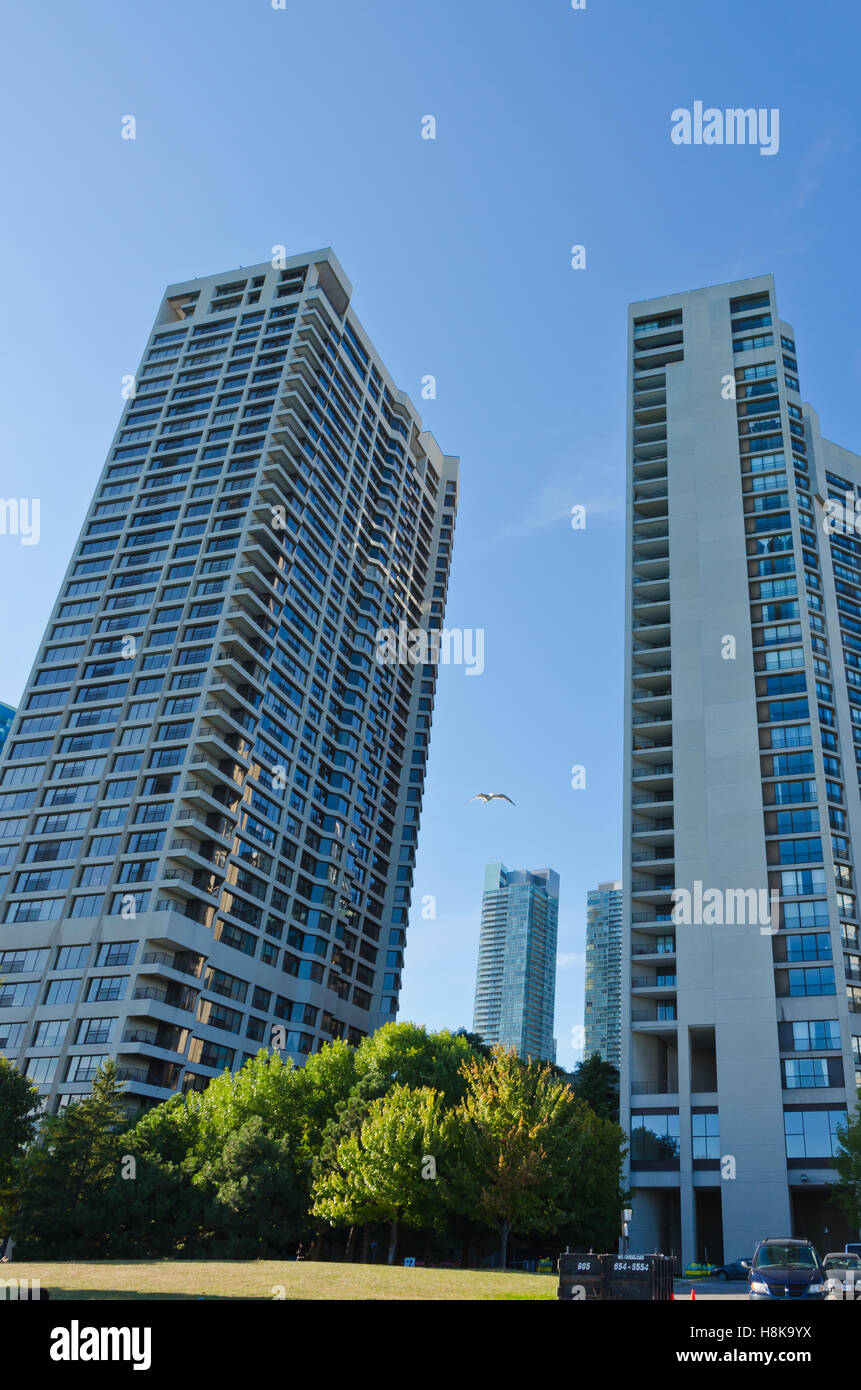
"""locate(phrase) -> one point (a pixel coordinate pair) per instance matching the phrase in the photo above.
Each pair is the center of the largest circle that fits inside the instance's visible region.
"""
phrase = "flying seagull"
(484, 797)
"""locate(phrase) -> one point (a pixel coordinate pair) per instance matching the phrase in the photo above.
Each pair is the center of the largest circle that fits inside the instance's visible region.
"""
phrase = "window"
(817, 1034)
(812, 1133)
(39, 881)
(655, 1138)
(812, 982)
(42, 910)
(805, 1071)
(116, 953)
(813, 946)
(62, 992)
(95, 1031)
(41, 1069)
(84, 1068)
(50, 1032)
(11, 1036)
(705, 1134)
(106, 988)
(22, 962)
(18, 996)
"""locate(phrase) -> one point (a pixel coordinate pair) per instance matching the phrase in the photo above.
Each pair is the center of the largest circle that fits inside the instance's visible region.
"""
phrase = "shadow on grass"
(135, 1296)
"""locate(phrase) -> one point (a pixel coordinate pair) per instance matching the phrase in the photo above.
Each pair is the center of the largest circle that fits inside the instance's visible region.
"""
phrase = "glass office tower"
(210, 798)
(741, 969)
(603, 1004)
(7, 714)
(516, 978)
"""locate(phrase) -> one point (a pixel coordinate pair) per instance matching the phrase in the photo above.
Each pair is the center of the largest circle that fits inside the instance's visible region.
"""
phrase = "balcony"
(185, 1000)
(650, 470)
(646, 687)
(662, 1015)
(149, 1043)
(650, 406)
(662, 578)
(660, 720)
(652, 985)
(651, 750)
(652, 547)
(231, 721)
(130, 1074)
(652, 450)
(179, 962)
(197, 854)
(668, 1088)
(649, 506)
(210, 826)
(656, 596)
(210, 797)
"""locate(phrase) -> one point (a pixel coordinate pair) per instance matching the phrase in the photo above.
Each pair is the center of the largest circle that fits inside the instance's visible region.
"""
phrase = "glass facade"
(603, 1005)
(516, 977)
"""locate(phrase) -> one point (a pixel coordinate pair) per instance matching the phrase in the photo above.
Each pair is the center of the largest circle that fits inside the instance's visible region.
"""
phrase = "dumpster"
(641, 1277)
(581, 1277)
(586, 1278)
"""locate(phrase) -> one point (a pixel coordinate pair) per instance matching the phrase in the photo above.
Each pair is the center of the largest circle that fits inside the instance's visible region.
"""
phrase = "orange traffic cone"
(693, 1295)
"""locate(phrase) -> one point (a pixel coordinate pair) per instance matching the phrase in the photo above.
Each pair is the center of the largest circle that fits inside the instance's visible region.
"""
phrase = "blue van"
(783, 1267)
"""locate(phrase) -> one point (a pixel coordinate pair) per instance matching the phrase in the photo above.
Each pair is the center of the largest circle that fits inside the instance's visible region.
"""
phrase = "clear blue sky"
(302, 126)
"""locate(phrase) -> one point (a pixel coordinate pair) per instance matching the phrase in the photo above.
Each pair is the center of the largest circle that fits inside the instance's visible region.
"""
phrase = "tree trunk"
(351, 1241)
(393, 1239)
(504, 1229)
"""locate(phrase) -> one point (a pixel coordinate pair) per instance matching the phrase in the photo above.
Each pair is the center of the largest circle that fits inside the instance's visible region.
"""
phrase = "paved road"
(710, 1288)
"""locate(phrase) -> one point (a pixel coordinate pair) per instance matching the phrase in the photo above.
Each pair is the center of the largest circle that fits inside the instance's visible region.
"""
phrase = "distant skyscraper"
(209, 804)
(603, 1013)
(741, 1024)
(516, 981)
(7, 714)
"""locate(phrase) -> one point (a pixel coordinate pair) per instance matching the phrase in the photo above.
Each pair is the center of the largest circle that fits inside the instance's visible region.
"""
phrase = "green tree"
(846, 1194)
(536, 1158)
(60, 1182)
(19, 1099)
(505, 1117)
(405, 1054)
(587, 1154)
(597, 1082)
(258, 1203)
(393, 1168)
(152, 1211)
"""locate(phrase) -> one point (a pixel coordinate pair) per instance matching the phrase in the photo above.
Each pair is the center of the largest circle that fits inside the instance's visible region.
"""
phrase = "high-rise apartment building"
(210, 798)
(516, 978)
(741, 1023)
(7, 714)
(603, 1005)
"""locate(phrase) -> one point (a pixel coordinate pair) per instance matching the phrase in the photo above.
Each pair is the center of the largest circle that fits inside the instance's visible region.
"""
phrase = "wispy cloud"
(566, 959)
(552, 503)
(810, 173)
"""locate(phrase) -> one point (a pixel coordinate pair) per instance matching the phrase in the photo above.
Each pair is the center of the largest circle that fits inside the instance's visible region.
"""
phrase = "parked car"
(736, 1269)
(783, 1267)
(843, 1274)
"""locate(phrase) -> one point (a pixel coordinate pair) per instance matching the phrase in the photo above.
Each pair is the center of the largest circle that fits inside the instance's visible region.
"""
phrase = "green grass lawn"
(267, 1279)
